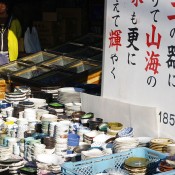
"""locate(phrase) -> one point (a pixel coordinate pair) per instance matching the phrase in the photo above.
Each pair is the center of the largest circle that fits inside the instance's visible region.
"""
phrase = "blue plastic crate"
(100, 164)
(172, 172)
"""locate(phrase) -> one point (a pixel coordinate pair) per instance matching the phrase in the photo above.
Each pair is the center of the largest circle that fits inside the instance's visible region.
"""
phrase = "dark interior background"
(29, 11)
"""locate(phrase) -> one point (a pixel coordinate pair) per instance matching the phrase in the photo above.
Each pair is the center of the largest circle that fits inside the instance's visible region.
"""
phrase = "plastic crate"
(172, 172)
(100, 164)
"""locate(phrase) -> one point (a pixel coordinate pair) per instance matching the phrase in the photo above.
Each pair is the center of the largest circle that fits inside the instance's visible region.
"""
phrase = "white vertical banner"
(139, 56)
(141, 118)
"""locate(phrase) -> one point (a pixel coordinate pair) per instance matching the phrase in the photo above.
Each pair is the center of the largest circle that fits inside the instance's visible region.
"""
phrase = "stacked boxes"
(2, 88)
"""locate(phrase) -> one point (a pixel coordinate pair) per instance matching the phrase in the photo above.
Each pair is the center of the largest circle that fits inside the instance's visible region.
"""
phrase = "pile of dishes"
(48, 163)
(69, 94)
(13, 165)
(160, 144)
(137, 165)
(124, 144)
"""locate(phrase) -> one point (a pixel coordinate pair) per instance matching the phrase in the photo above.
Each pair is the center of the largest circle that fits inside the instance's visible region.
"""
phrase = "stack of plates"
(13, 165)
(144, 141)
(15, 97)
(49, 163)
(69, 94)
(38, 102)
(26, 104)
(160, 144)
(136, 165)
(124, 144)
(89, 154)
(51, 90)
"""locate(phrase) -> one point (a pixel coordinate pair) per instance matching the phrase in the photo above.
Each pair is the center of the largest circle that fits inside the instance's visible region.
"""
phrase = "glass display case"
(96, 58)
(53, 78)
(58, 62)
(37, 58)
(86, 53)
(89, 39)
(12, 67)
(83, 66)
(31, 72)
(66, 48)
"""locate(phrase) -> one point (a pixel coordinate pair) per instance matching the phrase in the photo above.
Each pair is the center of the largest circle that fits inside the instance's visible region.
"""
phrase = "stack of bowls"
(35, 149)
(30, 114)
(160, 144)
(61, 137)
(144, 141)
(56, 107)
(138, 165)
(85, 118)
(94, 123)
(72, 107)
(126, 132)
(52, 126)
(49, 142)
(76, 116)
(124, 144)
(46, 119)
(48, 163)
(113, 128)
(89, 136)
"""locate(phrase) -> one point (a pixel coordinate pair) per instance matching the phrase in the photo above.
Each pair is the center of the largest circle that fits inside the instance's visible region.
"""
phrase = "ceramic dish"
(136, 162)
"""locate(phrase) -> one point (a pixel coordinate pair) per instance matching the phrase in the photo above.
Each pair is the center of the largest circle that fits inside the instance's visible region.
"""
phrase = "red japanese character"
(115, 38)
(152, 42)
(171, 17)
(153, 62)
(136, 2)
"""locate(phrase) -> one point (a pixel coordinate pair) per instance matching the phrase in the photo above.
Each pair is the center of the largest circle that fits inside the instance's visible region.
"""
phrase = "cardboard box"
(2, 95)
(49, 16)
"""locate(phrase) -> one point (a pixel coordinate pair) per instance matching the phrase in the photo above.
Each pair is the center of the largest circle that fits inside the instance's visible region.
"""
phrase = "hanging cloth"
(31, 41)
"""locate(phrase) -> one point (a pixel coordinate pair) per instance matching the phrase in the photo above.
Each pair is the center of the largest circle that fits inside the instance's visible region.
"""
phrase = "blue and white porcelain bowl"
(126, 132)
